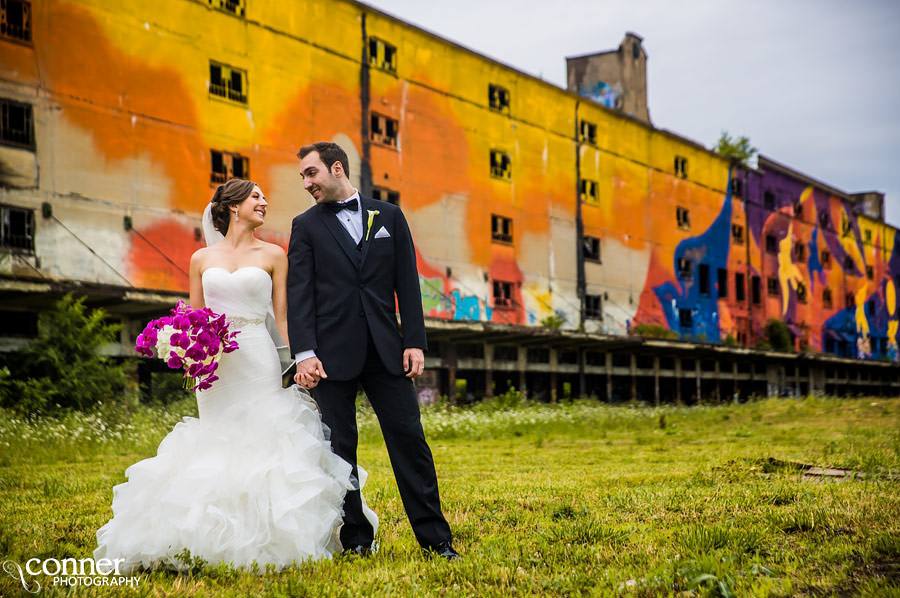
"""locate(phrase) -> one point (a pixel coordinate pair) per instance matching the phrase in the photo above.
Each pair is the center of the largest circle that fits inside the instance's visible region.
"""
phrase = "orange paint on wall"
(103, 75)
(149, 268)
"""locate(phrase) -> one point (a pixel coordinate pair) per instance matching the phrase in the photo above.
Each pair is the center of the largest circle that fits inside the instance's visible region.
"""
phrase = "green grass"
(578, 499)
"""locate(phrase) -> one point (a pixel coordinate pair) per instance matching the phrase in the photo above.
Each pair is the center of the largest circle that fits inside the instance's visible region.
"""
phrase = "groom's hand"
(413, 362)
(309, 372)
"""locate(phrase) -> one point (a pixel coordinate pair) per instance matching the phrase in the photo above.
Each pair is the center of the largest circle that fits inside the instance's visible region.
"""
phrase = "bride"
(253, 479)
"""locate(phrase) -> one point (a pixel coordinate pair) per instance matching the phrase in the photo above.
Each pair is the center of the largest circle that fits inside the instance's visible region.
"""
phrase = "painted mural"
(693, 252)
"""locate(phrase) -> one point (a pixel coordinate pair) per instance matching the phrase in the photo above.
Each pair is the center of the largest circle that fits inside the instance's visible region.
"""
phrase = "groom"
(348, 257)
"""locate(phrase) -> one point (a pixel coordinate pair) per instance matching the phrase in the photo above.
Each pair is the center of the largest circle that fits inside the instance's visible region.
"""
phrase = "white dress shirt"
(352, 222)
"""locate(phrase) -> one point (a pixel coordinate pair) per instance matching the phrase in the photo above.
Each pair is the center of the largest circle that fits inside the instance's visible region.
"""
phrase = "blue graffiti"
(813, 262)
(711, 250)
(469, 307)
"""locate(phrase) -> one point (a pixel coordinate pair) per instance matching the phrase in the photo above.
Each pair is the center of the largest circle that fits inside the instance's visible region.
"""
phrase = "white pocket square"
(382, 233)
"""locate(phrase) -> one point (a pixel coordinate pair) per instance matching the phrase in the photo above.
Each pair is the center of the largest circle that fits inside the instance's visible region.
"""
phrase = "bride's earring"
(236, 217)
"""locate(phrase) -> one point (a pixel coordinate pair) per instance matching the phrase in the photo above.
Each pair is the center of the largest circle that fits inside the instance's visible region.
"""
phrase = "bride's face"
(253, 209)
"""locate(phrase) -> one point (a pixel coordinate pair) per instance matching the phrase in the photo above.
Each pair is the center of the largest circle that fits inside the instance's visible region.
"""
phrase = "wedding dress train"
(253, 479)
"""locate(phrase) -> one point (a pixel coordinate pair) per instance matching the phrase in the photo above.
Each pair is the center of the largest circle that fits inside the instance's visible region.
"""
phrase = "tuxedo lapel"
(365, 205)
(341, 236)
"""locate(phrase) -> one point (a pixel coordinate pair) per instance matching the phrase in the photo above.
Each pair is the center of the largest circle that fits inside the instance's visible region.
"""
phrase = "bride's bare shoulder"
(200, 256)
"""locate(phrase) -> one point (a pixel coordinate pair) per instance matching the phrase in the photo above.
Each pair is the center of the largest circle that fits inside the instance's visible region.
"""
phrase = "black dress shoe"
(443, 549)
(358, 550)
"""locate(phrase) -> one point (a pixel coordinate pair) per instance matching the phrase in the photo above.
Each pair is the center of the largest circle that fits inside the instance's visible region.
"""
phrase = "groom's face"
(318, 180)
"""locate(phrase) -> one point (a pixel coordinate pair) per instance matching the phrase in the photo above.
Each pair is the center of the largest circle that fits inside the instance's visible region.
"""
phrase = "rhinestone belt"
(239, 322)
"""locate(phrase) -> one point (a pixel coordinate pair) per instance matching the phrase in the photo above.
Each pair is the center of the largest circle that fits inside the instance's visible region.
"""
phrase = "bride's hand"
(309, 372)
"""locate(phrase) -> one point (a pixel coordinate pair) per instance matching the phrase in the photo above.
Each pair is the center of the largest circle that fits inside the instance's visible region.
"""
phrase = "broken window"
(722, 283)
(737, 187)
(382, 55)
(228, 82)
(756, 289)
(867, 234)
(772, 286)
(739, 288)
(16, 124)
(685, 318)
(498, 98)
(683, 217)
(588, 132)
(501, 229)
(383, 130)
(801, 292)
(870, 272)
(593, 307)
(235, 7)
(850, 300)
(591, 249)
(15, 20)
(503, 294)
(771, 244)
(824, 220)
(798, 210)
(681, 167)
(703, 276)
(769, 200)
(825, 258)
(588, 191)
(737, 233)
(846, 226)
(826, 298)
(227, 165)
(17, 228)
(385, 194)
(799, 251)
(501, 166)
(684, 268)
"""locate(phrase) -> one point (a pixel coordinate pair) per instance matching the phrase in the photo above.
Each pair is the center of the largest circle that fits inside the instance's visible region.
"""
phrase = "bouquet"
(189, 339)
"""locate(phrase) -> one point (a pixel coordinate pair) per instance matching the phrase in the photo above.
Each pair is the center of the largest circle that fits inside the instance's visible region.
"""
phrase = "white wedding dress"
(253, 479)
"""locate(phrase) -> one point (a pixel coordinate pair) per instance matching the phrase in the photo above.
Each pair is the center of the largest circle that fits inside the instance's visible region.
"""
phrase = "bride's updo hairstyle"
(232, 193)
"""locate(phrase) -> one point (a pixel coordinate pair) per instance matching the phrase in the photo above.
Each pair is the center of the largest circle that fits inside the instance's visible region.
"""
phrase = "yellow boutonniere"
(372, 214)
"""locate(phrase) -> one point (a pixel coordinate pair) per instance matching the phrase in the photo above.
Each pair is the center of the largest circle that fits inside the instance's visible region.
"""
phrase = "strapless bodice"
(245, 293)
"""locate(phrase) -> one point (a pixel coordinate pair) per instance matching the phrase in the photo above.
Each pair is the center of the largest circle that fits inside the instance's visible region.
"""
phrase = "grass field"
(576, 499)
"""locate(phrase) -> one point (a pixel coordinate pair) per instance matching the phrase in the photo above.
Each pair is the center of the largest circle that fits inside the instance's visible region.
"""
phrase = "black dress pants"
(393, 399)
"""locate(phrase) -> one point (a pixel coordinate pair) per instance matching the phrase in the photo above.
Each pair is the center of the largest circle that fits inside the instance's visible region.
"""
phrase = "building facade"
(533, 208)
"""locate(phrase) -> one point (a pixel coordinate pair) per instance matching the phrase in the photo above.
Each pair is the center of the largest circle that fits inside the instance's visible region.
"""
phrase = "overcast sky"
(814, 84)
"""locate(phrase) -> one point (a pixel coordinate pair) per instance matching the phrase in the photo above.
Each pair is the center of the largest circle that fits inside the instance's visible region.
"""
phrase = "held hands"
(413, 362)
(309, 372)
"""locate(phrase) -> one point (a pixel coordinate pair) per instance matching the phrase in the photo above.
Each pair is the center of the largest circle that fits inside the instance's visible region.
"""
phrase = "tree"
(736, 149)
(777, 335)
(63, 366)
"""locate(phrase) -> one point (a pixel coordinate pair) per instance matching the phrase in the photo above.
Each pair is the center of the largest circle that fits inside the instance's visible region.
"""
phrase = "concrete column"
(450, 362)
(488, 370)
(554, 365)
(678, 380)
(718, 372)
(522, 363)
(633, 368)
(656, 380)
(734, 377)
(697, 377)
(609, 367)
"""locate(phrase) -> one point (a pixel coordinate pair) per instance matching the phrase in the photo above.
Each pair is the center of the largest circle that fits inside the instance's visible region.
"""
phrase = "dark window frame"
(588, 132)
(503, 294)
(772, 244)
(383, 130)
(19, 32)
(225, 88)
(498, 98)
(681, 167)
(737, 233)
(237, 8)
(589, 191)
(382, 54)
(590, 248)
(16, 137)
(501, 229)
(501, 165)
(683, 217)
(593, 307)
(385, 194)
(226, 161)
(12, 240)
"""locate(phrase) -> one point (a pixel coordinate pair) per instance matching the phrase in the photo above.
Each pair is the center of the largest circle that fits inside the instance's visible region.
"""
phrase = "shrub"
(63, 366)
(777, 335)
(653, 331)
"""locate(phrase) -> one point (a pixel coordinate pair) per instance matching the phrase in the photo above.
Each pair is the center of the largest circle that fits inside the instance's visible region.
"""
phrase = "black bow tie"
(337, 206)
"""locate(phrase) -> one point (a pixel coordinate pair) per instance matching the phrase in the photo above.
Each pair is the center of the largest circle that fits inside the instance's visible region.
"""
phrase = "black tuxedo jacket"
(338, 293)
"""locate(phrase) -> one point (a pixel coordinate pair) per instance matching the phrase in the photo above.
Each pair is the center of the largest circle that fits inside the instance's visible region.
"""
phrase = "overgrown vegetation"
(579, 498)
(737, 149)
(64, 368)
(653, 331)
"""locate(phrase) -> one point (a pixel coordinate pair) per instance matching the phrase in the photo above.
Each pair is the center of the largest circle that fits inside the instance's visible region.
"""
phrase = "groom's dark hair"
(329, 152)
